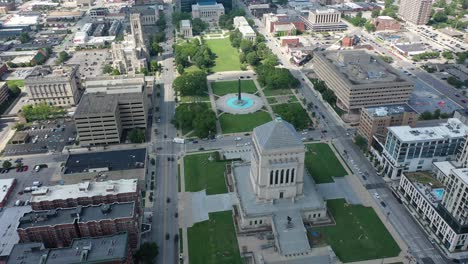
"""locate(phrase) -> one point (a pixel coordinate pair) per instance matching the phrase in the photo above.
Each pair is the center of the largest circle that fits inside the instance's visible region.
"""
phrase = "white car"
(238, 138)
(377, 195)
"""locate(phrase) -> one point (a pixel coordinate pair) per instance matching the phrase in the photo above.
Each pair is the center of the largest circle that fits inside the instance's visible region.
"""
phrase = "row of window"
(278, 176)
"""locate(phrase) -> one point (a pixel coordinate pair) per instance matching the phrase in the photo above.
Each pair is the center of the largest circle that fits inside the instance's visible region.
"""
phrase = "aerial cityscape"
(233, 131)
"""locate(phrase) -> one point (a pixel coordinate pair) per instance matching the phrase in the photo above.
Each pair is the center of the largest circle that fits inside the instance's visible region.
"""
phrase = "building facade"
(276, 23)
(55, 85)
(186, 5)
(208, 12)
(386, 23)
(415, 11)
(185, 28)
(149, 14)
(359, 79)
(85, 193)
(408, 149)
(326, 20)
(4, 92)
(58, 227)
(374, 121)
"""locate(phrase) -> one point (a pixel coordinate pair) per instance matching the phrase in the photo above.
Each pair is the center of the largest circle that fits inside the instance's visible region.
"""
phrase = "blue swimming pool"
(438, 193)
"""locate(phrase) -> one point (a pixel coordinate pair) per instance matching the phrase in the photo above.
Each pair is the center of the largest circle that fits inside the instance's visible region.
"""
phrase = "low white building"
(208, 12)
(247, 32)
(185, 28)
(239, 21)
(438, 202)
(408, 149)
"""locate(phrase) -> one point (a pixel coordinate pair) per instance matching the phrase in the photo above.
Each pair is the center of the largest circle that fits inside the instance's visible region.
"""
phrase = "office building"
(111, 249)
(4, 92)
(374, 121)
(149, 14)
(8, 221)
(187, 5)
(55, 85)
(417, 12)
(58, 227)
(109, 106)
(98, 12)
(185, 28)
(258, 10)
(408, 149)
(208, 12)
(326, 20)
(282, 24)
(85, 193)
(437, 200)
(8, 185)
(361, 80)
(386, 23)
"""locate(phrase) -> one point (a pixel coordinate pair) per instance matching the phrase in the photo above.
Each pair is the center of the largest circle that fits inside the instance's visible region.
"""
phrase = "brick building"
(386, 23)
(58, 227)
(85, 193)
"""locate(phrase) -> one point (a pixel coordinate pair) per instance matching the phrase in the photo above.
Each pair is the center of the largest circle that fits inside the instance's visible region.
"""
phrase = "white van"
(37, 183)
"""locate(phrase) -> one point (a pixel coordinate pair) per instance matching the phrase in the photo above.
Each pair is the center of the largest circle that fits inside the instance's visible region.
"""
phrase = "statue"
(239, 96)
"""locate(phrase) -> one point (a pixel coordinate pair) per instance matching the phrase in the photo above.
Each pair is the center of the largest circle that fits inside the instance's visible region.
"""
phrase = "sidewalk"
(181, 210)
(265, 101)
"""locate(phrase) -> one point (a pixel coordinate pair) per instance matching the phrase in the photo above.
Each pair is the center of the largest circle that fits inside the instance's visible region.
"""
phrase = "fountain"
(240, 103)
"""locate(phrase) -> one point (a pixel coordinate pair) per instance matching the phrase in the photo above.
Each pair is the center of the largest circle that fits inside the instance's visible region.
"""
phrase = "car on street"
(383, 204)
(376, 195)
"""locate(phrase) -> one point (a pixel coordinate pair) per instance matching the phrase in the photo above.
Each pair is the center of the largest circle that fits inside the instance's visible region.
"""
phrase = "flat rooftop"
(185, 23)
(47, 71)
(79, 214)
(96, 103)
(292, 236)
(9, 218)
(359, 67)
(424, 177)
(127, 159)
(5, 184)
(452, 129)
(417, 47)
(388, 110)
(115, 84)
(82, 250)
(84, 189)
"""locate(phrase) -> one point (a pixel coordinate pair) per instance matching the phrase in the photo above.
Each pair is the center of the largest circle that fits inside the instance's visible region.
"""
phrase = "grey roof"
(292, 239)
(76, 214)
(144, 10)
(8, 221)
(277, 134)
(82, 250)
(97, 103)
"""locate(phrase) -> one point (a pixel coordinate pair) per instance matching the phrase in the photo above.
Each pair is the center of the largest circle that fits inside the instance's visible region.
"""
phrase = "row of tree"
(327, 94)
(426, 55)
(41, 111)
(191, 84)
(253, 52)
(271, 77)
(294, 114)
(194, 52)
(433, 115)
(197, 117)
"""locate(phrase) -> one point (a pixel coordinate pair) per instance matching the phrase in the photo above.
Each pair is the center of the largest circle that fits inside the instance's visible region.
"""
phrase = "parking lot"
(90, 61)
(44, 137)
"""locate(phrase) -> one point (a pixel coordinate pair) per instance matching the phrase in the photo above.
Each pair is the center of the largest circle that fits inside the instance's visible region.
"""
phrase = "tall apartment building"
(374, 121)
(410, 149)
(438, 201)
(326, 20)
(359, 79)
(85, 193)
(415, 11)
(111, 249)
(462, 157)
(110, 106)
(4, 92)
(55, 85)
(58, 227)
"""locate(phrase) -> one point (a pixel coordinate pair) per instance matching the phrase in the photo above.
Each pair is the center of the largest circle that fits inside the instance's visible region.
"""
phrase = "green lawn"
(322, 163)
(200, 173)
(178, 177)
(273, 92)
(227, 57)
(292, 99)
(214, 241)
(272, 100)
(358, 235)
(19, 83)
(192, 68)
(223, 88)
(243, 123)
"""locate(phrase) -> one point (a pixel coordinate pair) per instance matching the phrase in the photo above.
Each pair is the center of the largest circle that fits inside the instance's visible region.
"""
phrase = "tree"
(440, 17)
(115, 72)
(387, 59)
(195, 116)
(369, 27)
(361, 142)
(147, 252)
(155, 66)
(426, 115)
(375, 13)
(246, 45)
(6, 164)
(294, 114)
(179, 16)
(24, 37)
(107, 69)
(252, 58)
(191, 84)
(454, 81)
(198, 26)
(447, 54)
(63, 56)
(41, 111)
(19, 126)
(137, 136)
(275, 78)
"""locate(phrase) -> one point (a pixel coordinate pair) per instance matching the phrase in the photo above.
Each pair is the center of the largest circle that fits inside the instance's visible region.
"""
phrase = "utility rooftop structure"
(105, 249)
(361, 80)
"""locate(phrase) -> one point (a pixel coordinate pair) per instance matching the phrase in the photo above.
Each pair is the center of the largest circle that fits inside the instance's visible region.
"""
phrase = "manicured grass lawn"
(294, 113)
(200, 173)
(178, 177)
(358, 235)
(272, 92)
(19, 83)
(243, 123)
(214, 241)
(272, 100)
(192, 99)
(227, 57)
(322, 163)
(223, 88)
(292, 99)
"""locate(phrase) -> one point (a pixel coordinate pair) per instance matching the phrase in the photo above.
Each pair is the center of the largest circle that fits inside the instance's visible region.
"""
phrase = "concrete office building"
(85, 193)
(4, 92)
(274, 187)
(374, 121)
(326, 20)
(185, 28)
(417, 12)
(58, 227)
(436, 199)
(408, 149)
(112, 249)
(110, 106)
(208, 12)
(360, 79)
(55, 85)
(149, 14)
(187, 5)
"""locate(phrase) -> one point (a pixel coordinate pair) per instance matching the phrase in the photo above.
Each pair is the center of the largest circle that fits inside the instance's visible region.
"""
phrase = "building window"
(255, 222)
(287, 176)
(292, 175)
(271, 177)
(250, 223)
(260, 222)
(276, 176)
(282, 177)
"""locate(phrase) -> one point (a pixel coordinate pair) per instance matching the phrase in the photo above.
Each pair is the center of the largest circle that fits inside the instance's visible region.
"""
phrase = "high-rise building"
(415, 11)
(326, 20)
